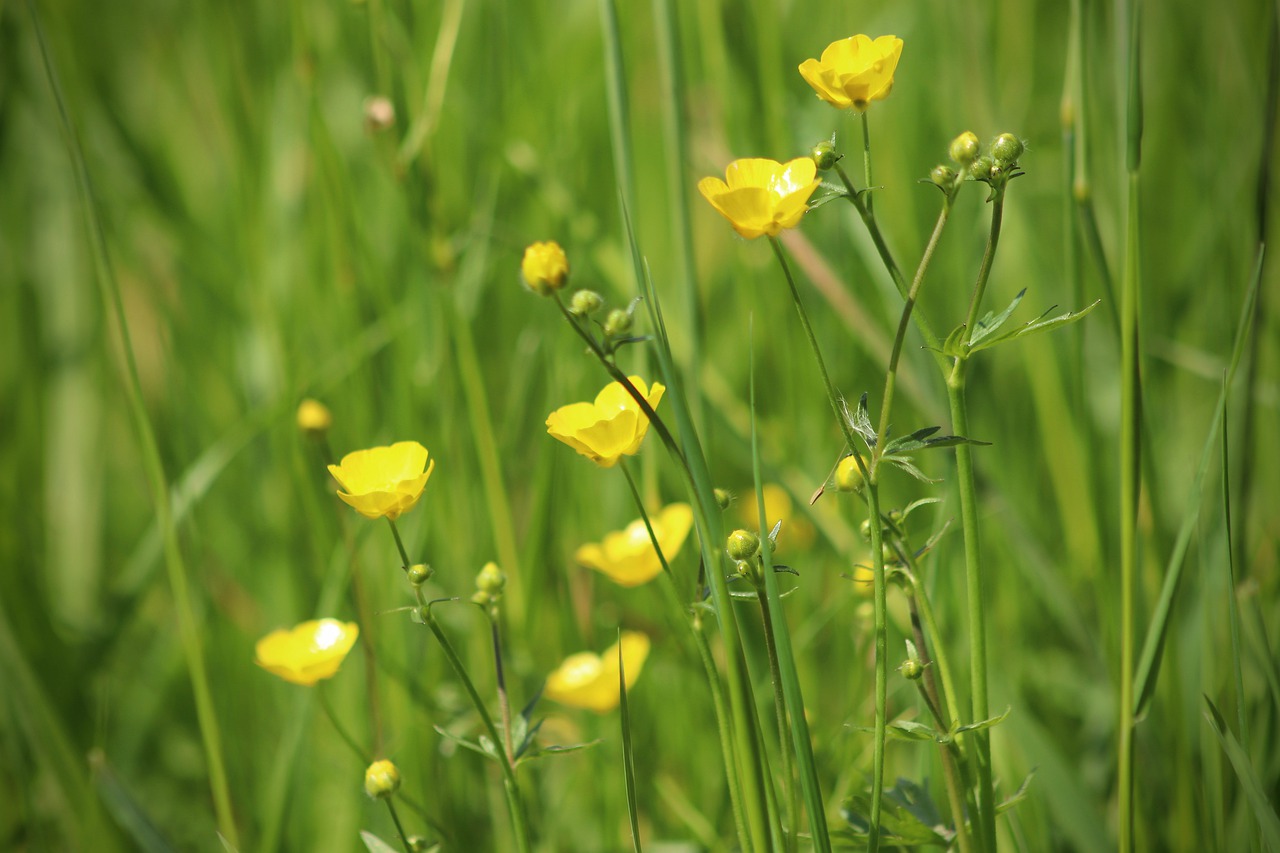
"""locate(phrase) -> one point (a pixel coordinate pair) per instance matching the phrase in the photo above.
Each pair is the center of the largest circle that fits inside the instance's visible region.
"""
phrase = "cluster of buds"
(995, 166)
(545, 271)
(490, 583)
(743, 548)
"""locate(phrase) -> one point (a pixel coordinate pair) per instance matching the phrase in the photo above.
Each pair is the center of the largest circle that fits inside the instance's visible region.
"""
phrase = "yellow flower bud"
(724, 497)
(1006, 150)
(491, 581)
(314, 417)
(381, 780)
(964, 148)
(585, 303)
(911, 669)
(419, 574)
(849, 475)
(544, 268)
(742, 545)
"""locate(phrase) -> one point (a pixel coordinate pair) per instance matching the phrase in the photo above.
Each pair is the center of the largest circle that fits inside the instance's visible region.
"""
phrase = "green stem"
(404, 555)
(500, 679)
(395, 818)
(784, 731)
(866, 164)
(956, 384)
(515, 807)
(339, 728)
(153, 466)
(644, 516)
(891, 375)
(882, 662)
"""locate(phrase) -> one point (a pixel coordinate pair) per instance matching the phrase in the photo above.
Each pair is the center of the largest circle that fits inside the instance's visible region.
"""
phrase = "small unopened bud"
(911, 669)
(824, 155)
(314, 418)
(617, 323)
(491, 580)
(743, 545)
(896, 516)
(980, 169)
(849, 476)
(418, 574)
(865, 529)
(943, 176)
(381, 780)
(544, 268)
(418, 843)
(724, 497)
(1006, 150)
(585, 303)
(964, 148)
(379, 114)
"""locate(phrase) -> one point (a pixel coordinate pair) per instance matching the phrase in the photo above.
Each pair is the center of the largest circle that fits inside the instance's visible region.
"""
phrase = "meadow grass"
(263, 244)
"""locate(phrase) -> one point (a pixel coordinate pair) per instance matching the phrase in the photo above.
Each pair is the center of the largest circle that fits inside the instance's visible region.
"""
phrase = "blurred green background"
(269, 246)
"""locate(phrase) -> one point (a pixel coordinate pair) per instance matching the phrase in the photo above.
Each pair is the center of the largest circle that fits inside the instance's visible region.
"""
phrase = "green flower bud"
(943, 176)
(419, 574)
(743, 545)
(911, 669)
(418, 843)
(724, 497)
(980, 169)
(887, 553)
(896, 516)
(964, 148)
(865, 529)
(617, 323)
(1006, 150)
(381, 780)
(824, 155)
(585, 303)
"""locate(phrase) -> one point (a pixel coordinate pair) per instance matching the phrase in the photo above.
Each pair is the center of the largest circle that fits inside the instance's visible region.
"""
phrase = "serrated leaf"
(914, 505)
(919, 440)
(1037, 325)
(989, 324)
(906, 818)
(374, 844)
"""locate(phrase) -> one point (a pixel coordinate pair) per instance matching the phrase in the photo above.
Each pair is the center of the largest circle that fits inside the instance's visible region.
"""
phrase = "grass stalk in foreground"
(153, 465)
(1130, 438)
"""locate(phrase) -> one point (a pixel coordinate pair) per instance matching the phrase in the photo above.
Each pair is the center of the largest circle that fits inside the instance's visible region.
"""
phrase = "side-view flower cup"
(760, 196)
(855, 71)
(609, 428)
(384, 482)
(628, 557)
(308, 652)
(590, 681)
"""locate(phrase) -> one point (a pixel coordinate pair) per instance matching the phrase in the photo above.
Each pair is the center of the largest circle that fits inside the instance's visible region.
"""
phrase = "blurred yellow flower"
(544, 267)
(308, 652)
(797, 531)
(383, 482)
(627, 556)
(760, 196)
(314, 416)
(855, 71)
(590, 681)
(611, 427)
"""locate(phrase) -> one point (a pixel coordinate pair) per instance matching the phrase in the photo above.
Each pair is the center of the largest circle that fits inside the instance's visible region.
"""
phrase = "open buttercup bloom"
(544, 267)
(760, 196)
(307, 652)
(587, 680)
(383, 482)
(855, 71)
(628, 557)
(611, 427)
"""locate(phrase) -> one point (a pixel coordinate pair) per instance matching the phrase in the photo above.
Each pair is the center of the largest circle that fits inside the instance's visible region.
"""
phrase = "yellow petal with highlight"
(308, 652)
(590, 681)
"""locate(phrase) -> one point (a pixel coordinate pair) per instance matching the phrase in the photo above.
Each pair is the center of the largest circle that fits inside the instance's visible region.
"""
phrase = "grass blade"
(1253, 787)
(628, 755)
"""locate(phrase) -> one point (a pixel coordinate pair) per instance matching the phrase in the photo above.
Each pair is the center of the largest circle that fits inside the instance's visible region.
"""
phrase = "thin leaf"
(1037, 325)
(126, 809)
(916, 504)
(989, 324)
(1153, 646)
(1253, 787)
(982, 724)
(486, 751)
(905, 464)
(374, 844)
(628, 757)
(1017, 796)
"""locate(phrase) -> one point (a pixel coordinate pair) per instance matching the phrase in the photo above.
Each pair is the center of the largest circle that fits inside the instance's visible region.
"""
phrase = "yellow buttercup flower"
(627, 556)
(383, 482)
(855, 71)
(308, 652)
(609, 428)
(314, 416)
(760, 196)
(544, 267)
(587, 680)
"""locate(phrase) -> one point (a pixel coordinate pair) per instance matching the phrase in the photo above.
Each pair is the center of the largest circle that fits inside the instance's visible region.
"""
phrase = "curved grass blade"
(1253, 786)
(628, 756)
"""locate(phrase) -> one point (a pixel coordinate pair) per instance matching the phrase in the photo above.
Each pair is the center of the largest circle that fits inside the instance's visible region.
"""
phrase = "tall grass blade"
(1254, 788)
(628, 753)
(1157, 632)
